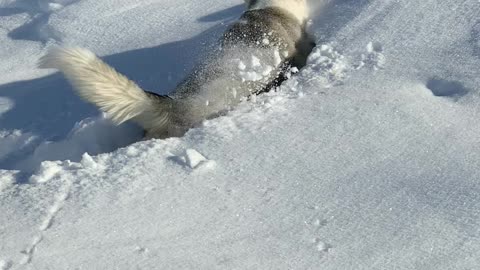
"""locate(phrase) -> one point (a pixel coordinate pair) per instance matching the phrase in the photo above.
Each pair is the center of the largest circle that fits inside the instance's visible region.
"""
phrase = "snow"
(252, 69)
(194, 159)
(365, 159)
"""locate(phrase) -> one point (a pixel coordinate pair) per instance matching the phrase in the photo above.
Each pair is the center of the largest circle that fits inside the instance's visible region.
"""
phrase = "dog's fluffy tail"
(112, 92)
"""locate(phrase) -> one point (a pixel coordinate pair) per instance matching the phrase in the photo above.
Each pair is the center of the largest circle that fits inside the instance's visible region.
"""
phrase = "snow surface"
(365, 159)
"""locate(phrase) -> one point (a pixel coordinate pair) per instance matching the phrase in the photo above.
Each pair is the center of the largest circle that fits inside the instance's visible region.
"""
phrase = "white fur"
(297, 7)
(98, 83)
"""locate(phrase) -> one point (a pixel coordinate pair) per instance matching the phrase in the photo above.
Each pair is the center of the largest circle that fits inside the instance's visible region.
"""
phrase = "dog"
(253, 56)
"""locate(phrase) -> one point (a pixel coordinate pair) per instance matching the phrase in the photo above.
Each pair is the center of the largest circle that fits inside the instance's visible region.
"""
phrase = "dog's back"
(254, 52)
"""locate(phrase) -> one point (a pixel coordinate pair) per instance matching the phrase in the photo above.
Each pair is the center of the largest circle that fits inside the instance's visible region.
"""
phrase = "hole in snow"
(374, 47)
(444, 88)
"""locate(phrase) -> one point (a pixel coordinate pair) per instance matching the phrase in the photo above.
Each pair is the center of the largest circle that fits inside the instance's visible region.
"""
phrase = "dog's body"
(255, 51)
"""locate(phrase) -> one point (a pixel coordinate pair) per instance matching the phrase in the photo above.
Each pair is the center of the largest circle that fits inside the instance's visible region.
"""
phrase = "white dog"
(254, 52)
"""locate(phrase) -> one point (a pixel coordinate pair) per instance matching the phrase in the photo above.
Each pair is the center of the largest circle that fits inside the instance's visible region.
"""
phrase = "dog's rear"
(113, 93)
(200, 96)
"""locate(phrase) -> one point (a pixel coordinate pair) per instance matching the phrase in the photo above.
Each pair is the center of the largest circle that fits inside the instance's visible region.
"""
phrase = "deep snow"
(365, 159)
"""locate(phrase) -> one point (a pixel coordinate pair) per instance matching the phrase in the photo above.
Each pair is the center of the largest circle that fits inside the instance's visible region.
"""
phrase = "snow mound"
(92, 135)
